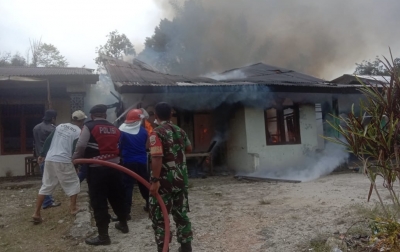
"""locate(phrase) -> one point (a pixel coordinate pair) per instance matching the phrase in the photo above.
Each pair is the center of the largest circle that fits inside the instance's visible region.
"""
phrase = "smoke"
(237, 74)
(248, 95)
(99, 93)
(322, 38)
(314, 165)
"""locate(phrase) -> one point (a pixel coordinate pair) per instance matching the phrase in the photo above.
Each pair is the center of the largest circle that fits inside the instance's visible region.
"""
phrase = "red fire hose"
(140, 180)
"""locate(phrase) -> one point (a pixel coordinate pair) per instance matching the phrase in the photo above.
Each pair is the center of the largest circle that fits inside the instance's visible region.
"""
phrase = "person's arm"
(147, 143)
(36, 142)
(74, 145)
(156, 152)
(81, 143)
(188, 144)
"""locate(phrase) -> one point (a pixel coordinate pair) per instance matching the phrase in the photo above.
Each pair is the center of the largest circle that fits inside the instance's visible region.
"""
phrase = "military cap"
(98, 109)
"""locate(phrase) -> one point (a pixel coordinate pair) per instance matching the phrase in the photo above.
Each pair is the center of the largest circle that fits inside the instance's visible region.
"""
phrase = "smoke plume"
(100, 94)
(322, 38)
(314, 165)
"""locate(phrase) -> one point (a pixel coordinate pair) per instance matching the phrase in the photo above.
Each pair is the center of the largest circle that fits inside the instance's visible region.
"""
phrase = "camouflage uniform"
(170, 142)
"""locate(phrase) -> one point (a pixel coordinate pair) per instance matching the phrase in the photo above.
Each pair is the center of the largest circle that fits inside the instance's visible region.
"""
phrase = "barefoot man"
(58, 150)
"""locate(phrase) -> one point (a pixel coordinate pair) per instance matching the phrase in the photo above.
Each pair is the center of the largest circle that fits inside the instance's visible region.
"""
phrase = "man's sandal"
(37, 220)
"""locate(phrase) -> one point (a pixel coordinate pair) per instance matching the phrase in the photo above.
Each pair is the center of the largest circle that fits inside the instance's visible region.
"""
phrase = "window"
(282, 125)
(17, 122)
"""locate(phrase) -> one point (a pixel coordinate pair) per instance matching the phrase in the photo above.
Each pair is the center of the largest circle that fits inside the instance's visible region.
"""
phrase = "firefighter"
(99, 140)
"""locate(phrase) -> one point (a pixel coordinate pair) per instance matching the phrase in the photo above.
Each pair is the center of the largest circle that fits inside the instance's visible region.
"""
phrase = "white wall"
(16, 163)
(274, 156)
(13, 163)
(237, 154)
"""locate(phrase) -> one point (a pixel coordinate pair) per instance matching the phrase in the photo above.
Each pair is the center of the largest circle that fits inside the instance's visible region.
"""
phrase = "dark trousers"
(128, 181)
(82, 172)
(106, 184)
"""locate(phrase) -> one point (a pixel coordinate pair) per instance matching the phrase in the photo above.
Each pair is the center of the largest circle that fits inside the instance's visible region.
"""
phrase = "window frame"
(23, 116)
(280, 117)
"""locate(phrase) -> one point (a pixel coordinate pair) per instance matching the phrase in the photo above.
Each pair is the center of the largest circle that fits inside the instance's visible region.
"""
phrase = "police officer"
(168, 145)
(99, 140)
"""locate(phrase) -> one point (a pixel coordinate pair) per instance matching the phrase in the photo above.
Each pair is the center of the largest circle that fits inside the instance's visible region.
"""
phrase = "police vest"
(103, 141)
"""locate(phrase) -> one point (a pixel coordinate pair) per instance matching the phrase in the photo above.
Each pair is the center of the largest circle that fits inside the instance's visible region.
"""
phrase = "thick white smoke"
(99, 93)
(313, 166)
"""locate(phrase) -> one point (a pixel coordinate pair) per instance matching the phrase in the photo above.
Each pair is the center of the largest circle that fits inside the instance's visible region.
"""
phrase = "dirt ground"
(227, 215)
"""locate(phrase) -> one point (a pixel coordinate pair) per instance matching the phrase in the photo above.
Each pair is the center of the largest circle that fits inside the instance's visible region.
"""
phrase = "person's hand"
(154, 188)
(40, 160)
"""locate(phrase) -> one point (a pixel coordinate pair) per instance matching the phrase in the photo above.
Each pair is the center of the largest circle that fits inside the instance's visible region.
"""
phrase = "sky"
(75, 27)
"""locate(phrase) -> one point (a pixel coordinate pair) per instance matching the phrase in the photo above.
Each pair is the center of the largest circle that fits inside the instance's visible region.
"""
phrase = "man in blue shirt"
(133, 145)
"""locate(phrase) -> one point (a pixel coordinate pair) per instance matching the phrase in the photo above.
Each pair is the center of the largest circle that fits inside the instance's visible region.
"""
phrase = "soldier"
(168, 145)
(99, 140)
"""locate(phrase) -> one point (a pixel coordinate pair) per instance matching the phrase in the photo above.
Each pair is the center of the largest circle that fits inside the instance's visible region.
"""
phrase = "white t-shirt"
(62, 143)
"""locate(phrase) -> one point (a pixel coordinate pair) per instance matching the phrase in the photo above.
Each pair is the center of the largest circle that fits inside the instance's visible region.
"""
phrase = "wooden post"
(49, 95)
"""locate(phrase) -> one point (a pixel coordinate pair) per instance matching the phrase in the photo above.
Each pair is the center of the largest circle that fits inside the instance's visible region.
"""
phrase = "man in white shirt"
(58, 150)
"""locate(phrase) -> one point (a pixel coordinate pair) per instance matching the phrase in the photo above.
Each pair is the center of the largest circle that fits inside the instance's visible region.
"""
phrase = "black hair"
(163, 111)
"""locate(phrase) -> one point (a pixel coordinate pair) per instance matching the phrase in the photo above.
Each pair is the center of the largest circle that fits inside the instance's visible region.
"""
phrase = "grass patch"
(318, 244)
(367, 212)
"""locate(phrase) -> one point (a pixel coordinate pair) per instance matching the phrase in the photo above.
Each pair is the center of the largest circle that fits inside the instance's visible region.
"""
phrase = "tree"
(46, 55)
(117, 46)
(18, 60)
(49, 56)
(5, 59)
(374, 67)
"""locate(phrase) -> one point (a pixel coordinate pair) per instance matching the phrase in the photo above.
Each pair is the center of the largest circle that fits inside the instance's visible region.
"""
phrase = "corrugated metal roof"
(352, 79)
(44, 71)
(138, 74)
(262, 73)
(141, 74)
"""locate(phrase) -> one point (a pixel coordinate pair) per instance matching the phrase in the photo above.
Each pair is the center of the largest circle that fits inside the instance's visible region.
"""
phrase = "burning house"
(25, 94)
(264, 119)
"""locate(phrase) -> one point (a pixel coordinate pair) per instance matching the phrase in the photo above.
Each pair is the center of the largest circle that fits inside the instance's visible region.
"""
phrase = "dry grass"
(18, 233)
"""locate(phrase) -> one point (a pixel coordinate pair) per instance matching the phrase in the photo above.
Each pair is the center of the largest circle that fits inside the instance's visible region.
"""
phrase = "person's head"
(134, 115)
(163, 111)
(98, 111)
(78, 118)
(50, 116)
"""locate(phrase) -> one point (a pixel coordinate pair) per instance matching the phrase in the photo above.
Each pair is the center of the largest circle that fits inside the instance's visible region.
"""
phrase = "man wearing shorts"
(58, 150)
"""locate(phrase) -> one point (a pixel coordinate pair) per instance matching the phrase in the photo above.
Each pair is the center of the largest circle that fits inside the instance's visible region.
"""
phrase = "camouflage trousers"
(177, 205)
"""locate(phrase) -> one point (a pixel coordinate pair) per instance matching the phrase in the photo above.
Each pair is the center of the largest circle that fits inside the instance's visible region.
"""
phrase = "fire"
(148, 127)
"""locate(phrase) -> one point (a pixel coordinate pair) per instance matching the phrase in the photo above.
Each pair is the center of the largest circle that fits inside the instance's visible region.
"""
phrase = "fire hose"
(140, 180)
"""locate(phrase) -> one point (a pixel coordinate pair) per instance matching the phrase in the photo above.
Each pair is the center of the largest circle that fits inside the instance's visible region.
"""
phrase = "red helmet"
(134, 115)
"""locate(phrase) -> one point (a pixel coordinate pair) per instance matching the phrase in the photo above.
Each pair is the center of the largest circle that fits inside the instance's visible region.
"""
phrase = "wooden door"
(203, 132)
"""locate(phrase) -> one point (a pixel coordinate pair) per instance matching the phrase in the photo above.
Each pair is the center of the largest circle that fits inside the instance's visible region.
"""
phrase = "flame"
(148, 127)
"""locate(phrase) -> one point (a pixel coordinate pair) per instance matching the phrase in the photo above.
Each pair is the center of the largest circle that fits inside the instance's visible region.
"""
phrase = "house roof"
(266, 74)
(140, 74)
(43, 71)
(352, 79)
(140, 77)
